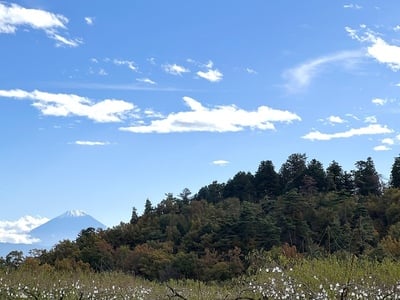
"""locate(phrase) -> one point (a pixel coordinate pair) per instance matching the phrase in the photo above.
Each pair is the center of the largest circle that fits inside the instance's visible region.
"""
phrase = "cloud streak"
(14, 16)
(220, 162)
(217, 119)
(300, 77)
(64, 105)
(372, 129)
(91, 143)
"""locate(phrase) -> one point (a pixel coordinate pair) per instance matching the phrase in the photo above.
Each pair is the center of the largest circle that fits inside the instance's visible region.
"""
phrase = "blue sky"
(103, 106)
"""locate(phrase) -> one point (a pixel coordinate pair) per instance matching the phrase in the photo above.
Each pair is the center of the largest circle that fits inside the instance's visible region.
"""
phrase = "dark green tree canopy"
(303, 208)
(395, 173)
(366, 178)
(292, 171)
(266, 180)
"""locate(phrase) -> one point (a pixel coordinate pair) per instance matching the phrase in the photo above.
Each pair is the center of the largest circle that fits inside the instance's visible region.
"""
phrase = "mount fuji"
(64, 227)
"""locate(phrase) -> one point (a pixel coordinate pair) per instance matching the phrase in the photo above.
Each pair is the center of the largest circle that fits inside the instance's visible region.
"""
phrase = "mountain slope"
(65, 226)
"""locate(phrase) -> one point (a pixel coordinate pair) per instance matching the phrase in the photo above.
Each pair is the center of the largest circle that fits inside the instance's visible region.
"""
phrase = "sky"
(104, 105)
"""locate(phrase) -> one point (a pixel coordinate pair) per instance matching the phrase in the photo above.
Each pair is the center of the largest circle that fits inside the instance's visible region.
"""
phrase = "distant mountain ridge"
(66, 226)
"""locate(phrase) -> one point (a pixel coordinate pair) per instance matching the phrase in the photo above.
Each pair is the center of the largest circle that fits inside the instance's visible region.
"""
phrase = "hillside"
(303, 209)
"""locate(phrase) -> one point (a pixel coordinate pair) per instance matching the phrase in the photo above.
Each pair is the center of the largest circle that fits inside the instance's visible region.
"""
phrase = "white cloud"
(220, 162)
(209, 65)
(130, 64)
(13, 16)
(108, 110)
(18, 231)
(91, 143)
(379, 49)
(217, 119)
(388, 141)
(102, 72)
(379, 101)
(146, 80)
(61, 41)
(385, 53)
(369, 130)
(211, 75)
(89, 20)
(382, 148)
(251, 71)
(370, 119)
(301, 76)
(353, 117)
(152, 60)
(175, 69)
(153, 114)
(335, 120)
(353, 6)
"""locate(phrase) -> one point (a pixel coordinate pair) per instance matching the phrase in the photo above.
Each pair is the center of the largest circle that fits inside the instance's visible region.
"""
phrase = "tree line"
(300, 210)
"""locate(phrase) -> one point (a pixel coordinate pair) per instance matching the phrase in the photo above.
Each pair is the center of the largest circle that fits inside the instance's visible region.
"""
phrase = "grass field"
(327, 278)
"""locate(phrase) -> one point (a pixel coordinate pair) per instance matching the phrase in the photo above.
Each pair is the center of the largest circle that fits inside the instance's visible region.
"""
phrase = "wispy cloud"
(379, 101)
(379, 49)
(130, 64)
(108, 110)
(91, 143)
(372, 129)
(89, 20)
(251, 71)
(146, 80)
(220, 162)
(120, 86)
(300, 77)
(102, 72)
(371, 119)
(14, 16)
(175, 69)
(352, 6)
(18, 231)
(216, 119)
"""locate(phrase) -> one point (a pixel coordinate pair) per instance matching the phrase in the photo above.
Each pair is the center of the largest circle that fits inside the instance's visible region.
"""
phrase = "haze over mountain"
(65, 226)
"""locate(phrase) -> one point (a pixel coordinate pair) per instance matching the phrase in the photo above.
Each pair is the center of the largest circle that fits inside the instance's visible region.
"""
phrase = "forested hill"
(303, 209)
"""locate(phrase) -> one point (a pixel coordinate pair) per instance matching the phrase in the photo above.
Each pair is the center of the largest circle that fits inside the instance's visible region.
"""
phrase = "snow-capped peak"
(75, 213)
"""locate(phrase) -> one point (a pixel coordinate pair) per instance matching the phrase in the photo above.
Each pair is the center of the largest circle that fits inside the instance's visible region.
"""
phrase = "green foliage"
(302, 211)
(395, 173)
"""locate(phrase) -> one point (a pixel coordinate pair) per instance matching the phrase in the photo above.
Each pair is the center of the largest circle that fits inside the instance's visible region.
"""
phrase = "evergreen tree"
(148, 207)
(266, 180)
(316, 171)
(134, 216)
(292, 171)
(241, 186)
(212, 193)
(334, 176)
(366, 178)
(395, 173)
